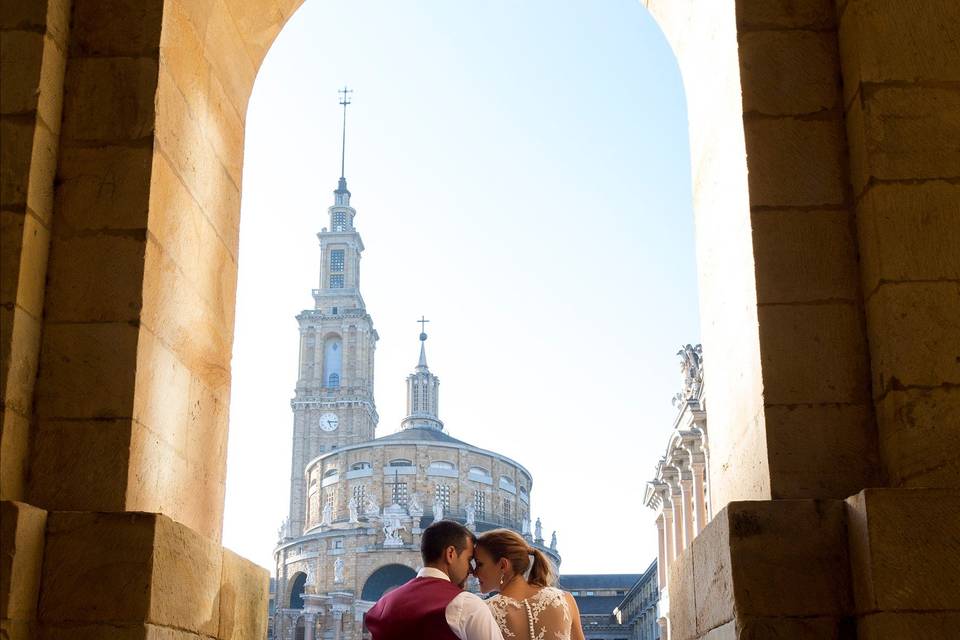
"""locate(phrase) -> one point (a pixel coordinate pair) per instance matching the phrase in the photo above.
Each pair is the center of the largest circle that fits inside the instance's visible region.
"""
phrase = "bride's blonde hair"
(503, 543)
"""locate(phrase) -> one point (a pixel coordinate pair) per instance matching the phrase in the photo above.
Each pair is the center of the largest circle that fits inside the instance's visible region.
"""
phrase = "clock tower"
(333, 405)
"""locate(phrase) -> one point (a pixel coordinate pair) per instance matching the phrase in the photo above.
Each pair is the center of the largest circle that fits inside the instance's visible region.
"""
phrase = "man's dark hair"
(440, 535)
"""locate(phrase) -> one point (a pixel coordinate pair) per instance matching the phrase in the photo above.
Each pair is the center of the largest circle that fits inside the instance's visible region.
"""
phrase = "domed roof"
(426, 434)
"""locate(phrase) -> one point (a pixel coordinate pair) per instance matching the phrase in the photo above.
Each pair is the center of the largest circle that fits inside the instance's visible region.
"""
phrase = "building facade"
(638, 611)
(358, 504)
(679, 491)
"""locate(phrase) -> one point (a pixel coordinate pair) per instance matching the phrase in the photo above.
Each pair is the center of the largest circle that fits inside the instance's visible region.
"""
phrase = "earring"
(501, 579)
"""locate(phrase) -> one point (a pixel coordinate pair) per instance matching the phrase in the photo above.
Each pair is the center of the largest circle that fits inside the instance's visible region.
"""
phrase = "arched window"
(400, 462)
(443, 464)
(332, 361)
(329, 472)
(296, 591)
(357, 466)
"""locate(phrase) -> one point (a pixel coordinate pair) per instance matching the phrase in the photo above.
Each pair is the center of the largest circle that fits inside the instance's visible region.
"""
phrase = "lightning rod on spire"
(344, 100)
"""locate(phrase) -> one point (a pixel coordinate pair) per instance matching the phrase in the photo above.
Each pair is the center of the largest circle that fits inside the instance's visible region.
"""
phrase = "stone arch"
(297, 586)
(384, 579)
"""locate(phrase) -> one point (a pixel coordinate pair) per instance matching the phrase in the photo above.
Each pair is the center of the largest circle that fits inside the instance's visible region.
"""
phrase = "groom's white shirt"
(467, 615)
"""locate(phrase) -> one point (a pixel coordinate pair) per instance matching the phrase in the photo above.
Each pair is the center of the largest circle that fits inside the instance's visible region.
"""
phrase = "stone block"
(796, 162)
(713, 585)
(244, 591)
(788, 558)
(814, 628)
(904, 551)
(128, 569)
(223, 126)
(162, 400)
(20, 357)
(908, 626)
(23, 528)
(820, 451)
(15, 156)
(11, 239)
(919, 438)
(117, 632)
(789, 72)
(21, 56)
(904, 133)
(116, 196)
(32, 269)
(785, 14)
(813, 354)
(181, 55)
(14, 454)
(909, 232)
(43, 168)
(805, 256)
(683, 599)
(109, 99)
(885, 41)
(87, 370)
(96, 277)
(96, 480)
(49, 16)
(914, 334)
(122, 28)
(231, 63)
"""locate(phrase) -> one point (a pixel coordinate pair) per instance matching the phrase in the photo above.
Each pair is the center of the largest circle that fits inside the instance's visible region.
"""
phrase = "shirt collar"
(430, 572)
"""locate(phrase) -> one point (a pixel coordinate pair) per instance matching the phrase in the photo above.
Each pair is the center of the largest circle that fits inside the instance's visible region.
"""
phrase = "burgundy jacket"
(414, 611)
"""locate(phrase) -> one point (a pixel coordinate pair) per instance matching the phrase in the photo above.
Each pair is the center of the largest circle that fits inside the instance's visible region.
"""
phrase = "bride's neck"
(518, 588)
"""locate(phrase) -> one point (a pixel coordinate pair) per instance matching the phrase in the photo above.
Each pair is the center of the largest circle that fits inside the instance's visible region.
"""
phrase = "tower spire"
(423, 389)
(422, 363)
(344, 100)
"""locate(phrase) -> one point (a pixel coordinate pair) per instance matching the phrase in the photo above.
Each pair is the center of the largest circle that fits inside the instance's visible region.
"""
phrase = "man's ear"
(450, 554)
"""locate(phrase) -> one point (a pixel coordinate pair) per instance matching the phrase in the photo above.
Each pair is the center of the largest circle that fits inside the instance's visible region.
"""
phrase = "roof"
(597, 605)
(599, 581)
(419, 433)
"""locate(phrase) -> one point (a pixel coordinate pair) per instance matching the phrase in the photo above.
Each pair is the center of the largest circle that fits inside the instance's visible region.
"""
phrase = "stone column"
(337, 622)
(661, 551)
(677, 499)
(686, 496)
(668, 537)
(309, 625)
(699, 502)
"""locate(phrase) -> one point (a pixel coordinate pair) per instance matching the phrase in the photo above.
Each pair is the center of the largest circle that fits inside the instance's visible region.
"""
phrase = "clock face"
(329, 422)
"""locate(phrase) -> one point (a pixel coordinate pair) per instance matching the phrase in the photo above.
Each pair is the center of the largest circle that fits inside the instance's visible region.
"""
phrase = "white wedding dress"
(543, 616)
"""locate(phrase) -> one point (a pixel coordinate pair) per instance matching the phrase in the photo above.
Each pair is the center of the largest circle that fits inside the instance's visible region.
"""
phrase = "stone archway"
(295, 595)
(384, 579)
(828, 292)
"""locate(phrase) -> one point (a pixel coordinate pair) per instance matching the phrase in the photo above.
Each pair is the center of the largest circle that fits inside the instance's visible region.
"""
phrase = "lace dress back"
(543, 616)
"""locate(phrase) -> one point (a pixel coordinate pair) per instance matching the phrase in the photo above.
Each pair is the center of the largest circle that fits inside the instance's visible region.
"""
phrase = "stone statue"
(372, 507)
(338, 570)
(437, 508)
(414, 508)
(327, 514)
(525, 527)
(691, 366)
(392, 526)
(282, 531)
(354, 510)
(471, 515)
(538, 530)
(311, 575)
(553, 541)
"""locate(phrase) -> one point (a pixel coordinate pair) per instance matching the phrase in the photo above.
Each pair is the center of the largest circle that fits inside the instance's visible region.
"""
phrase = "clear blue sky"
(521, 176)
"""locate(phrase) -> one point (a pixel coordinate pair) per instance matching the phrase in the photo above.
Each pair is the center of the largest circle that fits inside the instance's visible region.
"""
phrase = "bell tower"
(333, 405)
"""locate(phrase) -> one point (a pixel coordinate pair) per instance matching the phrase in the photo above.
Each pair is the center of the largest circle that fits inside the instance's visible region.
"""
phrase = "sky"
(521, 176)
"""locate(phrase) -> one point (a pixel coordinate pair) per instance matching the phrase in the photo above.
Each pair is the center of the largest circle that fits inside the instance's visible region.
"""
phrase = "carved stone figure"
(392, 526)
(691, 366)
(413, 507)
(354, 510)
(372, 507)
(437, 508)
(553, 541)
(311, 575)
(471, 515)
(525, 528)
(538, 530)
(338, 570)
(326, 518)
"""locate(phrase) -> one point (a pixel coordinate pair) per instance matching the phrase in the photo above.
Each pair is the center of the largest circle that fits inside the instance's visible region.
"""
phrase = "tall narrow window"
(336, 261)
(480, 503)
(336, 281)
(332, 361)
(333, 381)
(507, 509)
(441, 491)
(360, 495)
(339, 220)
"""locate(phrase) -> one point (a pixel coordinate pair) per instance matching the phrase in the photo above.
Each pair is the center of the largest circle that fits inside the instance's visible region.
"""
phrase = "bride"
(528, 606)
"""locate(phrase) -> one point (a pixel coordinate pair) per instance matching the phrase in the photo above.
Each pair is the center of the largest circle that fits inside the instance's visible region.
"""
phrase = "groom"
(434, 606)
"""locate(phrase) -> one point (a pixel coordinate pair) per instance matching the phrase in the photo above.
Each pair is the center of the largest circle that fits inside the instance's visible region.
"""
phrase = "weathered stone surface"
(15, 156)
(909, 232)
(814, 628)
(683, 609)
(890, 41)
(908, 626)
(899, 313)
(813, 354)
(822, 450)
(789, 72)
(102, 355)
(919, 438)
(22, 532)
(789, 558)
(127, 28)
(21, 55)
(807, 256)
(51, 17)
(244, 590)
(905, 554)
(14, 454)
(713, 579)
(109, 99)
(784, 14)
(19, 364)
(63, 480)
(117, 632)
(796, 162)
(904, 133)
